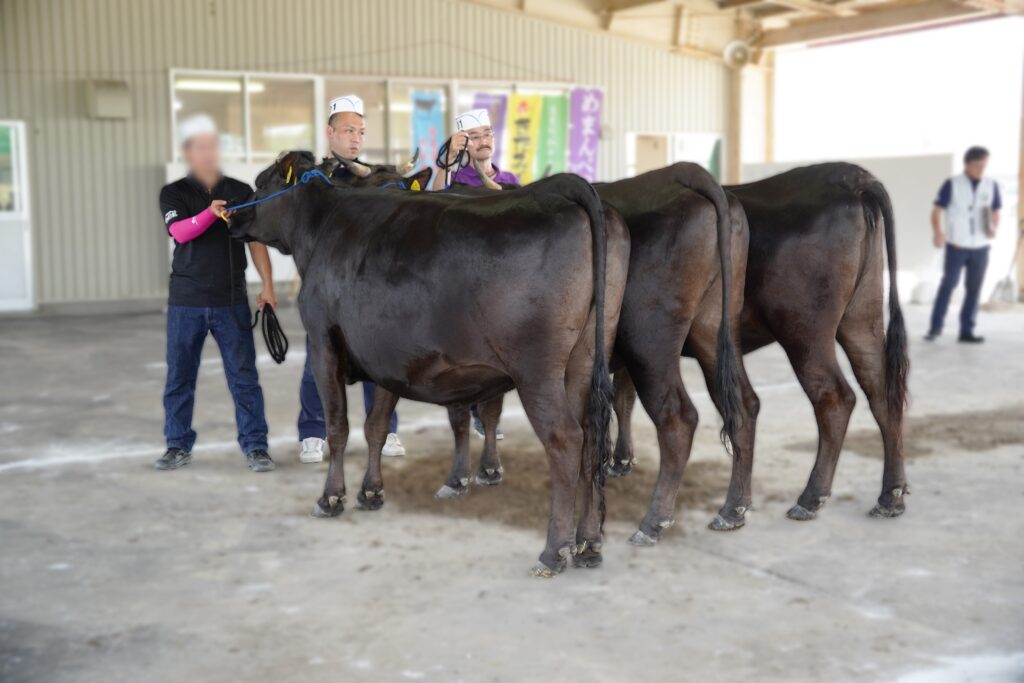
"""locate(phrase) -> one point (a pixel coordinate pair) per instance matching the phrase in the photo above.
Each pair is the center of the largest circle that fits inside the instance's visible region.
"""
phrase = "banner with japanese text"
(584, 131)
(524, 127)
(427, 124)
(554, 122)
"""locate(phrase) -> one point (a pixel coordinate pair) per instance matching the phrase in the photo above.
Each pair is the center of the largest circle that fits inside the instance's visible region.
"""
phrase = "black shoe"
(970, 339)
(259, 461)
(173, 459)
(932, 335)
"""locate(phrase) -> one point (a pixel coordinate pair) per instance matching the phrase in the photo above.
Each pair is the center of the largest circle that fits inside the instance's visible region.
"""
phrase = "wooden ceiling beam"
(866, 22)
(816, 7)
(620, 5)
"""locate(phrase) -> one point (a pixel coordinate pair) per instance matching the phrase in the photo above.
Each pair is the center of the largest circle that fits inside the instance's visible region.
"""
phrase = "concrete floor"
(111, 571)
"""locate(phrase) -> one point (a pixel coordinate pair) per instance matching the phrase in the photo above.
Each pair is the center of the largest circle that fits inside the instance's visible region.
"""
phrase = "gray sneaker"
(259, 461)
(173, 459)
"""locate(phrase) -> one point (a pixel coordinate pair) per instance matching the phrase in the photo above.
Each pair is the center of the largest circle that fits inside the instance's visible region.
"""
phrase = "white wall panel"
(95, 183)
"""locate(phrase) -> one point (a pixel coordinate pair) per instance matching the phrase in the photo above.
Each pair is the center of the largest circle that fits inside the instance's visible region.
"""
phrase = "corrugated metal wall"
(94, 183)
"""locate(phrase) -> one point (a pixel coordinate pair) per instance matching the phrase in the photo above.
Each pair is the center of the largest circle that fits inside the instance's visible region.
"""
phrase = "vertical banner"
(584, 131)
(427, 124)
(496, 105)
(524, 126)
(554, 124)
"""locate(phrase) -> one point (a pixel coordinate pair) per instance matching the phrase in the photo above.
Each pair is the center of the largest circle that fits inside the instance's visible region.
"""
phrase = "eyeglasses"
(486, 135)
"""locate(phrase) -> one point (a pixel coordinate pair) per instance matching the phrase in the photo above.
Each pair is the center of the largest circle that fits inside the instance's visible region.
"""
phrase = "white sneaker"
(312, 450)
(393, 447)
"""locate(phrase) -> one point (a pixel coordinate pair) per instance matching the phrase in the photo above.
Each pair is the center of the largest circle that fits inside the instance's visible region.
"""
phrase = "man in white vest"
(971, 203)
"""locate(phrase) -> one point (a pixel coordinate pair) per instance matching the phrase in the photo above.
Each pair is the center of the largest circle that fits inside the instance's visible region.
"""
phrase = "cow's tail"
(897, 361)
(695, 178)
(599, 409)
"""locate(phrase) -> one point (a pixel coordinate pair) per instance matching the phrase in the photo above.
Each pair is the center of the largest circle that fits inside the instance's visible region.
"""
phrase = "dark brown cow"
(815, 275)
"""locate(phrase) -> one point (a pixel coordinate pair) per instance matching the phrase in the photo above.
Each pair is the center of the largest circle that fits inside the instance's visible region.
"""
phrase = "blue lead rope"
(307, 177)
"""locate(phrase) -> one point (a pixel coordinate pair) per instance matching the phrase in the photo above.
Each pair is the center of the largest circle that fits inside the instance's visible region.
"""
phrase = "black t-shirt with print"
(209, 270)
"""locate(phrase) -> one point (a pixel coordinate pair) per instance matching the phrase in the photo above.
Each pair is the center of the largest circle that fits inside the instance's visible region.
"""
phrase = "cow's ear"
(419, 180)
(293, 164)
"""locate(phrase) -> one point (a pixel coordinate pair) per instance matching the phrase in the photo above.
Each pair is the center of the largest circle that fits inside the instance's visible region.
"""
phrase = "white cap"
(472, 119)
(340, 105)
(200, 124)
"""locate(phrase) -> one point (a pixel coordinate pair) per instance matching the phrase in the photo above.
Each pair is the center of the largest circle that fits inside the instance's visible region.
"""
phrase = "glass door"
(16, 277)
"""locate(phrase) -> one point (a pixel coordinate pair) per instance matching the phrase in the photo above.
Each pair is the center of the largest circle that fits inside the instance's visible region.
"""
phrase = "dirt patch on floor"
(974, 431)
(522, 498)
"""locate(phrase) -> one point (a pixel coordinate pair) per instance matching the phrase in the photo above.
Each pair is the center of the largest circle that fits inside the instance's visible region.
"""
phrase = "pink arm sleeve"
(187, 229)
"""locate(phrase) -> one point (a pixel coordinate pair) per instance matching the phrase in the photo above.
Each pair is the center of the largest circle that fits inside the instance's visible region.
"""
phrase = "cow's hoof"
(890, 503)
(328, 506)
(587, 555)
(489, 476)
(544, 571)
(800, 513)
(729, 521)
(449, 491)
(620, 467)
(639, 538)
(370, 500)
(720, 523)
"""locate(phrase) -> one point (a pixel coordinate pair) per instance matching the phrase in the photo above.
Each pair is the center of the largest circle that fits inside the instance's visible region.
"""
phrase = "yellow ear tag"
(415, 187)
(288, 178)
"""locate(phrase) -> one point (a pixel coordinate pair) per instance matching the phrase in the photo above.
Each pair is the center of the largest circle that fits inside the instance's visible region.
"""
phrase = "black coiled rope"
(461, 159)
(273, 334)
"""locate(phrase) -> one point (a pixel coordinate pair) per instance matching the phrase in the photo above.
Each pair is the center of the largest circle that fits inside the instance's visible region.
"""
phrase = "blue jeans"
(311, 410)
(187, 328)
(956, 260)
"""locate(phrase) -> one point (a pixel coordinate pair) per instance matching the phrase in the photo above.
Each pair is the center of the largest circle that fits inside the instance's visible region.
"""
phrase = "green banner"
(554, 126)
(5, 140)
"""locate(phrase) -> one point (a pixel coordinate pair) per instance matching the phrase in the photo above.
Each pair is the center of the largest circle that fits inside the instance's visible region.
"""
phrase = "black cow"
(815, 275)
(455, 300)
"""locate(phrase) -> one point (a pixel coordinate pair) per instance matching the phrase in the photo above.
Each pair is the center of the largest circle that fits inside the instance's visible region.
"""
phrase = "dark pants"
(957, 259)
(187, 328)
(311, 410)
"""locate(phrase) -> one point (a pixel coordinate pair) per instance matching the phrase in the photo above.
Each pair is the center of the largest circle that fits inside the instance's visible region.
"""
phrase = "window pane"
(373, 95)
(419, 118)
(8, 198)
(281, 114)
(218, 97)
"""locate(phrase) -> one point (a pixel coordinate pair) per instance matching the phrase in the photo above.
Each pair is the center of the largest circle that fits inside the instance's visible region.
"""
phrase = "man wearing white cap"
(207, 295)
(473, 133)
(346, 130)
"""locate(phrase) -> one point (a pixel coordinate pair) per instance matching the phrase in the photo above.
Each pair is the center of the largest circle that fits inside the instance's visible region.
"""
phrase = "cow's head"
(273, 222)
(356, 174)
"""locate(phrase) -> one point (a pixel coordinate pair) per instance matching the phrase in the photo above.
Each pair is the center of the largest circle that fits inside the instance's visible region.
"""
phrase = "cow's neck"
(306, 227)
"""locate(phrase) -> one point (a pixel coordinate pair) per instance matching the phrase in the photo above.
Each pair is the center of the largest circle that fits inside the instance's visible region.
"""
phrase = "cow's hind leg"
(625, 400)
(490, 471)
(457, 483)
(371, 495)
(864, 344)
(738, 500)
(558, 429)
(660, 387)
(822, 380)
(330, 381)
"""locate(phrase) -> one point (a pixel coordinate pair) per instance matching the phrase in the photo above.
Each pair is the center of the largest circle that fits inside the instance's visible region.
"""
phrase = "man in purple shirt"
(474, 134)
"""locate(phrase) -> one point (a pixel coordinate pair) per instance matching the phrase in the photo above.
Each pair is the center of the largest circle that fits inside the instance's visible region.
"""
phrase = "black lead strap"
(461, 159)
(273, 334)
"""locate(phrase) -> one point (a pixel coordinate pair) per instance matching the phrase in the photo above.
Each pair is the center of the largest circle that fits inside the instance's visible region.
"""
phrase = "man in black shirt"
(208, 296)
